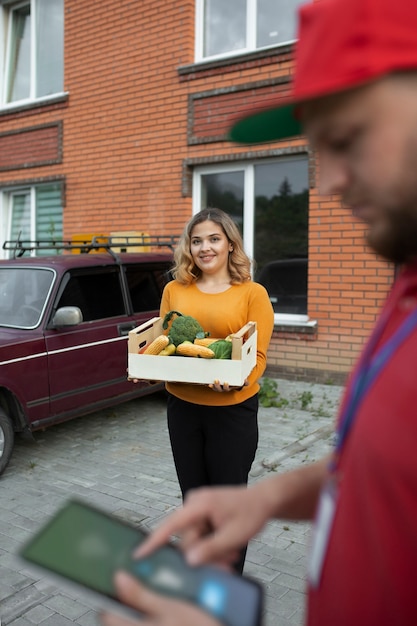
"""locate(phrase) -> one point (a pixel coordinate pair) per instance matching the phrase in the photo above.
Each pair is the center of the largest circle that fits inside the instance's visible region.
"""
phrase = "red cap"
(342, 44)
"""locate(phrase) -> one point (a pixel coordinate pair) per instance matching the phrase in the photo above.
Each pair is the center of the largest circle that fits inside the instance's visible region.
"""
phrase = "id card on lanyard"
(321, 532)
(369, 367)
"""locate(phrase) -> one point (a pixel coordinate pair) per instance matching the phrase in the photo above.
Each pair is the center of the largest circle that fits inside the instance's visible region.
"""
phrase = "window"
(145, 286)
(97, 292)
(269, 202)
(33, 65)
(237, 26)
(23, 295)
(32, 213)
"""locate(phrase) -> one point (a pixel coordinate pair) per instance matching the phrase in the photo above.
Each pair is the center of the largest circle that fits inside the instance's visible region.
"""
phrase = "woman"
(214, 429)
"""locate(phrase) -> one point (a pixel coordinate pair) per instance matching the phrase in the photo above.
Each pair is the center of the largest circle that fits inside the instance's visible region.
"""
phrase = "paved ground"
(120, 460)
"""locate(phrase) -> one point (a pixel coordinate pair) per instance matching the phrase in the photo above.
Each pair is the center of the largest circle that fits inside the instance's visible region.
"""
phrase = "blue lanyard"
(368, 370)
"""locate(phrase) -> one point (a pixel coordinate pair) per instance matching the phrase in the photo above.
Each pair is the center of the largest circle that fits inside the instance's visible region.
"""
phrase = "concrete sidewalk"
(120, 460)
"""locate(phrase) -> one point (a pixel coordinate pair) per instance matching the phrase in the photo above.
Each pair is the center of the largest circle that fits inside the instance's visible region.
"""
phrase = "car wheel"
(6, 440)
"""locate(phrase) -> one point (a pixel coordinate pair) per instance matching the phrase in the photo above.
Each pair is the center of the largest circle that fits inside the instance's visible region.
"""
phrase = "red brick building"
(115, 119)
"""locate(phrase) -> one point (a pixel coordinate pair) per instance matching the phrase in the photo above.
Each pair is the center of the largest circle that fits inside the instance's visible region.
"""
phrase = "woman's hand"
(217, 386)
(158, 610)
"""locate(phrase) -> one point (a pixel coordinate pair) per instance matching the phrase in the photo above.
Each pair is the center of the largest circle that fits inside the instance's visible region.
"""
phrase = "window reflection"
(19, 68)
(243, 25)
(269, 201)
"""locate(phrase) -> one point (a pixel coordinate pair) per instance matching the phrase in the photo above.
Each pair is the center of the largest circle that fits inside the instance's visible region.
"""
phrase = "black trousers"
(213, 445)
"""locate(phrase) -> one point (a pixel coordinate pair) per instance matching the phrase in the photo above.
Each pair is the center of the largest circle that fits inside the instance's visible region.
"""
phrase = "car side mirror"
(67, 316)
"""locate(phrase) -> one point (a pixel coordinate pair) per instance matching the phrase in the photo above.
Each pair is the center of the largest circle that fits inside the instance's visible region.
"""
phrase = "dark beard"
(399, 245)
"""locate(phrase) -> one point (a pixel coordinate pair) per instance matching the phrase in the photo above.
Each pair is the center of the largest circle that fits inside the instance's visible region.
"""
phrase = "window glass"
(23, 295)
(48, 212)
(20, 215)
(269, 201)
(244, 25)
(34, 59)
(145, 287)
(35, 213)
(276, 23)
(281, 233)
(50, 46)
(19, 54)
(225, 191)
(224, 26)
(281, 210)
(97, 293)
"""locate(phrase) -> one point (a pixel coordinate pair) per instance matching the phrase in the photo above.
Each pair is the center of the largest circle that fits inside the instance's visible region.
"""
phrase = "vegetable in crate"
(157, 345)
(205, 341)
(168, 351)
(222, 349)
(186, 348)
(183, 328)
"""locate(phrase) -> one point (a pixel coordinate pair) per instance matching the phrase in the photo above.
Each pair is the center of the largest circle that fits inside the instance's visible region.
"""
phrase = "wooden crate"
(191, 369)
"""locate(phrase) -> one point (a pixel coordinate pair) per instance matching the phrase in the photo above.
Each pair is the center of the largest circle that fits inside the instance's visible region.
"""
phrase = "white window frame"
(251, 28)
(248, 218)
(6, 203)
(6, 7)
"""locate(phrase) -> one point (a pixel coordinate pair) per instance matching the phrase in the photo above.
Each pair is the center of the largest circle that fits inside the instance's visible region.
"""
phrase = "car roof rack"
(111, 244)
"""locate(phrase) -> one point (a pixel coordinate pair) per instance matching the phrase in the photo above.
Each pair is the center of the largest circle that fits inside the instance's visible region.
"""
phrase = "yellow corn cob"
(205, 341)
(168, 351)
(191, 349)
(157, 345)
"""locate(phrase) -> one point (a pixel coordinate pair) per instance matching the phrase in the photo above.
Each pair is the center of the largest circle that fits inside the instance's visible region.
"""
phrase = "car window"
(145, 286)
(96, 292)
(23, 295)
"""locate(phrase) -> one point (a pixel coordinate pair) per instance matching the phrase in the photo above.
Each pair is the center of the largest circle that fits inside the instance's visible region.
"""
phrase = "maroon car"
(64, 322)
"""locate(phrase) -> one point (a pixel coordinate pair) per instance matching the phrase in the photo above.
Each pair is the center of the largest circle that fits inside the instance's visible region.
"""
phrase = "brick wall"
(138, 115)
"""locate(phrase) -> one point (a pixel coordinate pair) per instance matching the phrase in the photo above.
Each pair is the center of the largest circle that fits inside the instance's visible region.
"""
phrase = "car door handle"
(125, 328)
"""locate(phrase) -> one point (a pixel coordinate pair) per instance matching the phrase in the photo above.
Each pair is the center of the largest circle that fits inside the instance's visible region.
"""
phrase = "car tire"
(6, 440)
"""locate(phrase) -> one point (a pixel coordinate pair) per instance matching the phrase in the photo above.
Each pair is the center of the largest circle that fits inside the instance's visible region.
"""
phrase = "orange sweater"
(221, 314)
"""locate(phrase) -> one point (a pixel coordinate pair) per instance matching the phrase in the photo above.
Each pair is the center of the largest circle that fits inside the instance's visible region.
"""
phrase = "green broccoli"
(183, 328)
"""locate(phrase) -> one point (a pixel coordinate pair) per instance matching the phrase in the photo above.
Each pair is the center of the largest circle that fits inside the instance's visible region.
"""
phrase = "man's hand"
(213, 523)
(158, 610)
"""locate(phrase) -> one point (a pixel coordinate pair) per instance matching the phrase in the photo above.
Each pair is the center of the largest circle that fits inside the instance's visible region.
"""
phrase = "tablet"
(85, 546)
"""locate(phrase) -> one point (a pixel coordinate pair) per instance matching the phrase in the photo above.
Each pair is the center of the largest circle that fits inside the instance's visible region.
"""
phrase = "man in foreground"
(355, 94)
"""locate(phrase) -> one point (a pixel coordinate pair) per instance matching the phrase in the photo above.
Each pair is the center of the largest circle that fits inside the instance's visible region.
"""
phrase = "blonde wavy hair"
(186, 272)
